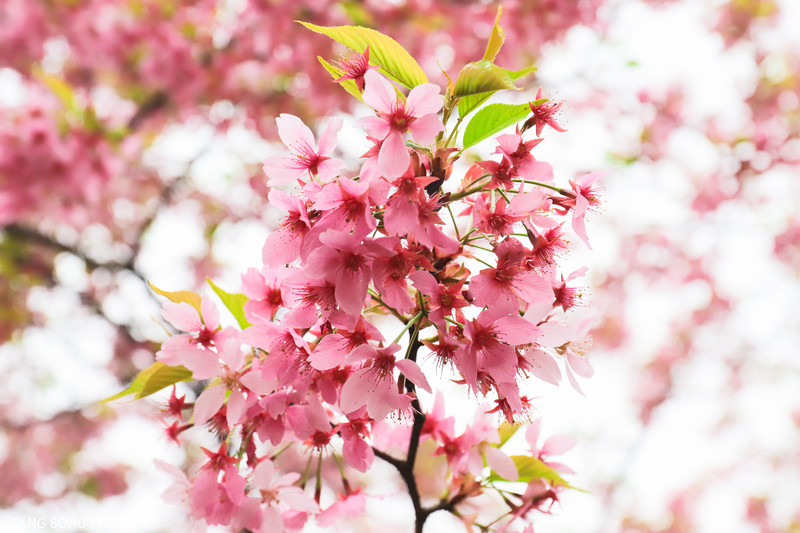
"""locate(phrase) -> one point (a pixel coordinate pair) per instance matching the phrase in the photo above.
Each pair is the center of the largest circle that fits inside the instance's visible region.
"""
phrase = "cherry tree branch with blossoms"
(308, 377)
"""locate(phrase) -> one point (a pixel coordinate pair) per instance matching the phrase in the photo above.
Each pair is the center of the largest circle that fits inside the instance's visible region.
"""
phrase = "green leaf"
(531, 468)
(482, 76)
(521, 73)
(393, 59)
(188, 297)
(164, 377)
(152, 379)
(496, 39)
(491, 119)
(234, 302)
(506, 431)
(467, 104)
(348, 85)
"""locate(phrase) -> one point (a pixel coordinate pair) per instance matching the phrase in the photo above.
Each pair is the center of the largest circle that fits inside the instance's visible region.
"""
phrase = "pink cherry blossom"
(417, 115)
(443, 299)
(194, 349)
(229, 368)
(374, 385)
(390, 267)
(492, 337)
(346, 205)
(355, 67)
(544, 115)
(266, 292)
(355, 449)
(498, 220)
(509, 283)
(349, 505)
(283, 245)
(518, 153)
(344, 262)
(278, 495)
(306, 158)
(351, 333)
(555, 445)
(585, 197)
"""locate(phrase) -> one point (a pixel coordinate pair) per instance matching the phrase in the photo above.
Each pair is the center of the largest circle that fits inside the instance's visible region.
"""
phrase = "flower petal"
(515, 330)
(294, 133)
(425, 128)
(412, 371)
(327, 141)
(543, 366)
(424, 99)
(393, 159)
(501, 463)
(208, 403)
(375, 127)
(182, 315)
(379, 93)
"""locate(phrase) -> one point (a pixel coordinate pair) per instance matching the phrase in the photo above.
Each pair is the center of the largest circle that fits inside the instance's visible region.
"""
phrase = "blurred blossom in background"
(131, 139)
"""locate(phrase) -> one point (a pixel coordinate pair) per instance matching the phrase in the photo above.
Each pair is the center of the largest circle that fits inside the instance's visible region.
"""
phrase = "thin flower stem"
(459, 324)
(279, 452)
(465, 239)
(342, 474)
(478, 238)
(318, 485)
(453, 218)
(503, 195)
(463, 194)
(406, 328)
(552, 187)
(481, 260)
(304, 478)
(375, 296)
(454, 132)
(487, 175)
(479, 247)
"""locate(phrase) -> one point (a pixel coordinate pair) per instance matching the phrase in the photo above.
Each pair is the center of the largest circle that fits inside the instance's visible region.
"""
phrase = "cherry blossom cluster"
(42, 169)
(466, 268)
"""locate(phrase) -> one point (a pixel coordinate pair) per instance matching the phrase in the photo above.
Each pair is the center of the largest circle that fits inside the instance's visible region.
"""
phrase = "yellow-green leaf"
(469, 103)
(481, 77)
(189, 297)
(531, 468)
(59, 87)
(234, 302)
(506, 431)
(348, 85)
(492, 119)
(152, 379)
(496, 39)
(393, 59)
(521, 73)
(164, 377)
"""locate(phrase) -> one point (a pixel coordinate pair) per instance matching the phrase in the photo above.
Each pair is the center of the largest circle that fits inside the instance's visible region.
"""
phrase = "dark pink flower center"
(274, 297)
(352, 262)
(383, 364)
(504, 276)
(400, 120)
(205, 337)
(484, 338)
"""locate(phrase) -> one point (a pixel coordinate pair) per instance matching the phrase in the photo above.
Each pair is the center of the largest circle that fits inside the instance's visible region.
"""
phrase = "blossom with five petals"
(306, 158)
(374, 386)
(417, 115)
